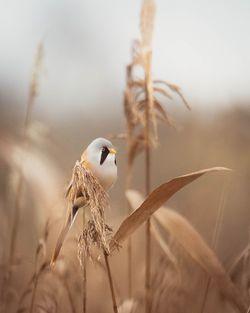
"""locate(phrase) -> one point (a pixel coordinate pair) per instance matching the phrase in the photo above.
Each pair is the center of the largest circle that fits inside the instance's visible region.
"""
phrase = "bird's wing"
(80, 202)
(71, 214)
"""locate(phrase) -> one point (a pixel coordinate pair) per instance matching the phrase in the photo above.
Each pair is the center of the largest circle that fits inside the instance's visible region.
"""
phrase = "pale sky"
(203, 46)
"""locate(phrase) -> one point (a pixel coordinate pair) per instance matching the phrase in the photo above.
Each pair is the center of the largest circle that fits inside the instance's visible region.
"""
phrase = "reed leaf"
(154, 201)
(185, 234)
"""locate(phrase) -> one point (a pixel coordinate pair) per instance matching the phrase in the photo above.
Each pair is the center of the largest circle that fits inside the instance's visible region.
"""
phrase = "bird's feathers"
(100, 159)
(80, 202)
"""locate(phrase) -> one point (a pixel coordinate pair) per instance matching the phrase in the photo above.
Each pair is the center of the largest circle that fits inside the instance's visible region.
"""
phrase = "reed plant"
(87, 273)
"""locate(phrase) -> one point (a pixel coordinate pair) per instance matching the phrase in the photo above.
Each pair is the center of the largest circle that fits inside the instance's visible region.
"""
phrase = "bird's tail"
(63, 233)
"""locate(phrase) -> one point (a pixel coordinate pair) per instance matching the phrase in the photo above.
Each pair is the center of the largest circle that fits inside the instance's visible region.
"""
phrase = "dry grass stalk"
(142, 111)
(111, 285)
(85, 190)
(165, 278)
(195, 246)
(42, 270)
(19, 189)
(239, 271)
(162, 243)
(31, 99)
(64, 283)
(41, 249)
(216, 232)
(95, 232)
(84, 272)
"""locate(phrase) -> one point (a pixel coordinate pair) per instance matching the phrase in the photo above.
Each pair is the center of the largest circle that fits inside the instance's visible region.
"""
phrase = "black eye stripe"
(105, 153)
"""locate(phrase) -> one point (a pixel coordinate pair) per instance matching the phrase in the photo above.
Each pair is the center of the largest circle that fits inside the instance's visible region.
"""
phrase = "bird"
(100, 159)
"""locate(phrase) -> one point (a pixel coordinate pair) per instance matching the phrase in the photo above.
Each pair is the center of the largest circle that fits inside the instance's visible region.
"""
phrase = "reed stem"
(216, 233)
(33, 294)
(20, 179)
(84, 274)
(130, 267)
(148, 106)
(24, 142)
(129, 246)
(148, 238)
(111, 285)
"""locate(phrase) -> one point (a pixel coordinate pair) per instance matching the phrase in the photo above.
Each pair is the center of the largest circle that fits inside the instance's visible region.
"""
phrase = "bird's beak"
(112, 151)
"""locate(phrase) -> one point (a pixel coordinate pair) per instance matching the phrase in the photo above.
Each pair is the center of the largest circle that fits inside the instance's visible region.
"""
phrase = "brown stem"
(71, 300)
(130, 267)
(207, 285)
(129, 247)
(111, 285)
(33, 294)
(17, 205)
(218, 224)
(148, 111)
(36, 275)
(17, 202)
(84, 275)
(148, 240)
(31, 99)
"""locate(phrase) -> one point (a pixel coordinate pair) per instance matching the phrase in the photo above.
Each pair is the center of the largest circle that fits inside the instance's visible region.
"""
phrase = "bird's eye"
(105, 152)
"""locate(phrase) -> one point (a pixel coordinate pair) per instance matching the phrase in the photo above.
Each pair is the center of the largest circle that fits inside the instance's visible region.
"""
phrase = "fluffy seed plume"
(84, 184)
(143, 93)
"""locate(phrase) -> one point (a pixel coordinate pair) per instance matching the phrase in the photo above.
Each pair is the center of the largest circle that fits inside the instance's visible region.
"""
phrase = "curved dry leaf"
(163, 114)
(235, 266)
(175, 89)
(170, 122)
(196, 247)
(154, 201)
(185, 234)
(164, 246)
(163, 92)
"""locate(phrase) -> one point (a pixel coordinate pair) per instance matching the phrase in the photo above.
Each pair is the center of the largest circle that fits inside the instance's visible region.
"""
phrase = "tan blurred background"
(202, 46)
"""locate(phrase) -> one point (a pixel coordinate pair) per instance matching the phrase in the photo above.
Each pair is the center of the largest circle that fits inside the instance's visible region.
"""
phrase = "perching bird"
(100, 159)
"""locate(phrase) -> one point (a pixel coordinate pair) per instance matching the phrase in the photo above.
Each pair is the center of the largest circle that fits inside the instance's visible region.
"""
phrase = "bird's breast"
(105, 173)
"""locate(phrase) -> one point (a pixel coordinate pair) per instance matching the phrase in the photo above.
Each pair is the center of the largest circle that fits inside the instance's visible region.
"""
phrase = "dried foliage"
(86, 185)
(158, 238)
(85, 191)
(240, 271)
(47, 299)
(143, 109)
(153, 202)
(31, 99)
(40, 288)
(192, 242)
(20, 178)
(141, 93)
